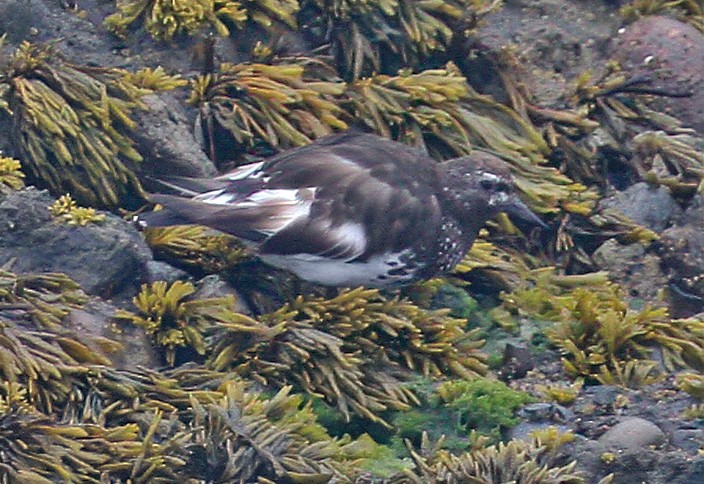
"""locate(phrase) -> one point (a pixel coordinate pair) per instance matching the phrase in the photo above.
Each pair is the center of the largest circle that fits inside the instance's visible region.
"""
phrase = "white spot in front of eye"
(648, 60)
(498, 198)
(489, 177)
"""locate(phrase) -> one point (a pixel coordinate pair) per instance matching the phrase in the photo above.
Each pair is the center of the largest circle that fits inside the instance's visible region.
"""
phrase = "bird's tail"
(160, 218)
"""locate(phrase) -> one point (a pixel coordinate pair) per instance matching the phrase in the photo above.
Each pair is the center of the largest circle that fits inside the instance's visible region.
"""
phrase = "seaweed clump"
(11, 175)
(245, 438)
(365, 36)
(601, 337)
(517, 461)
(284, 105)
(66, 210)
(37, 448)
(165, 19)
(37, 352)
(69, 124)
(155, 79)
(173, 321)
(354, 350)
(220, 429)
(195, 247)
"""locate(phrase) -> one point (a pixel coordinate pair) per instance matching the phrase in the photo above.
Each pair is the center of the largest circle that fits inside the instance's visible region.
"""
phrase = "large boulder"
(107, 259)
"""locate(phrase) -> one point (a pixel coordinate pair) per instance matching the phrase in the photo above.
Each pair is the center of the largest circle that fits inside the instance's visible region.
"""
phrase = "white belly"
(336, 272)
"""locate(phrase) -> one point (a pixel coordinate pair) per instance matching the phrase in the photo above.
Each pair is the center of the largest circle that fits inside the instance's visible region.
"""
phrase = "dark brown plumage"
(351, 209)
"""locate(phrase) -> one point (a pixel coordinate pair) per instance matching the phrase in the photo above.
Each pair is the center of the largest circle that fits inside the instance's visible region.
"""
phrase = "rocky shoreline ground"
(635, 220)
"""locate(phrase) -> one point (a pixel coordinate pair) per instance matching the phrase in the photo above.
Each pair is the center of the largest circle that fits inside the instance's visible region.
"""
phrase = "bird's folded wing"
(249, 221)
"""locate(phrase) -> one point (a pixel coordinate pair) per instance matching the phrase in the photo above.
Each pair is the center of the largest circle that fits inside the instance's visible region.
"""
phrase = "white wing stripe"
(245, 171)
(349, 235)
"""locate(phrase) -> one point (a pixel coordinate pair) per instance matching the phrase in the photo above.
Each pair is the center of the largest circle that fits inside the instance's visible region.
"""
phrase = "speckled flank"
(451, 247)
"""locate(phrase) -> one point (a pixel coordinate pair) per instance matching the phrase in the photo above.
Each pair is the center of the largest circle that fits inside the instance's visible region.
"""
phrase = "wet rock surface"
(638, 435)
(107, 260)
(667, 56)
(633, 433)
(554, 40)
(634, 266)
(645, 204)
(133, 349)
(165, 141)
(682, 251)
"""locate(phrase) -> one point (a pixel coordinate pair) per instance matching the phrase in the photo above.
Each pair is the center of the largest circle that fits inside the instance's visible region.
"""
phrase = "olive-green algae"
(562, 394)
(166, 19)
(600, 336)
(692, 383)
(173, 321)
(516, 461)
(366, 36)
(284, 105)
(36, 350)
(67, 211)
(218, 419)
(156, 79)
(11, 175)
(70, 125)
(353, 350)
(195, 247)
(653, 144)
(689, 11)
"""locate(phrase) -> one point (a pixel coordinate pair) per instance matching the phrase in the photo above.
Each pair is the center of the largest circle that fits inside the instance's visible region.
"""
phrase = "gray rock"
(668, 55)
(165, 139)
(604, 394)
(683, 259)
(161, 271)
(134, 349)
(632, 267)
(214, 286)
(633, 433)
(106, 259)
(647, 205)
(694, 213)
(695, 472)
(545, 412)
(525, 430)
(689, 440)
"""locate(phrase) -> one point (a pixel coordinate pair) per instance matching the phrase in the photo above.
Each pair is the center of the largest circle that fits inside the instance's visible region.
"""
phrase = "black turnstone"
(351, 209)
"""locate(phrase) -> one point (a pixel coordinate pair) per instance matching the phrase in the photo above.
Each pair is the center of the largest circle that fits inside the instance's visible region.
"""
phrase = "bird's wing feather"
(370, 196)
(346, 197)
(250, 221)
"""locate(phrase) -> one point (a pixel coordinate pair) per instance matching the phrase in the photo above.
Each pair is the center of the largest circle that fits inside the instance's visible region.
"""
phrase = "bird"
(350, 209)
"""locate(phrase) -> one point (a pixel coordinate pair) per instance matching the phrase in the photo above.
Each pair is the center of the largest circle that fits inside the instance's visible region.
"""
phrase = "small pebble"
(633, 433)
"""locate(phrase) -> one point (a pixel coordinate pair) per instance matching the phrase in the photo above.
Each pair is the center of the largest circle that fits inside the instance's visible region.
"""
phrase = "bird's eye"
(502, 187)
(486, 184)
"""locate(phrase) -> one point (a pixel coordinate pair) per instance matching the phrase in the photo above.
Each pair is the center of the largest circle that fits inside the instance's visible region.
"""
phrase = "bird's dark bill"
(515, 208)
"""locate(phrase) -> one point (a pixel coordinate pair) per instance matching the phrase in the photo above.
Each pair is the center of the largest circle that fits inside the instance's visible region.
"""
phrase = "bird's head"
(480, 186)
